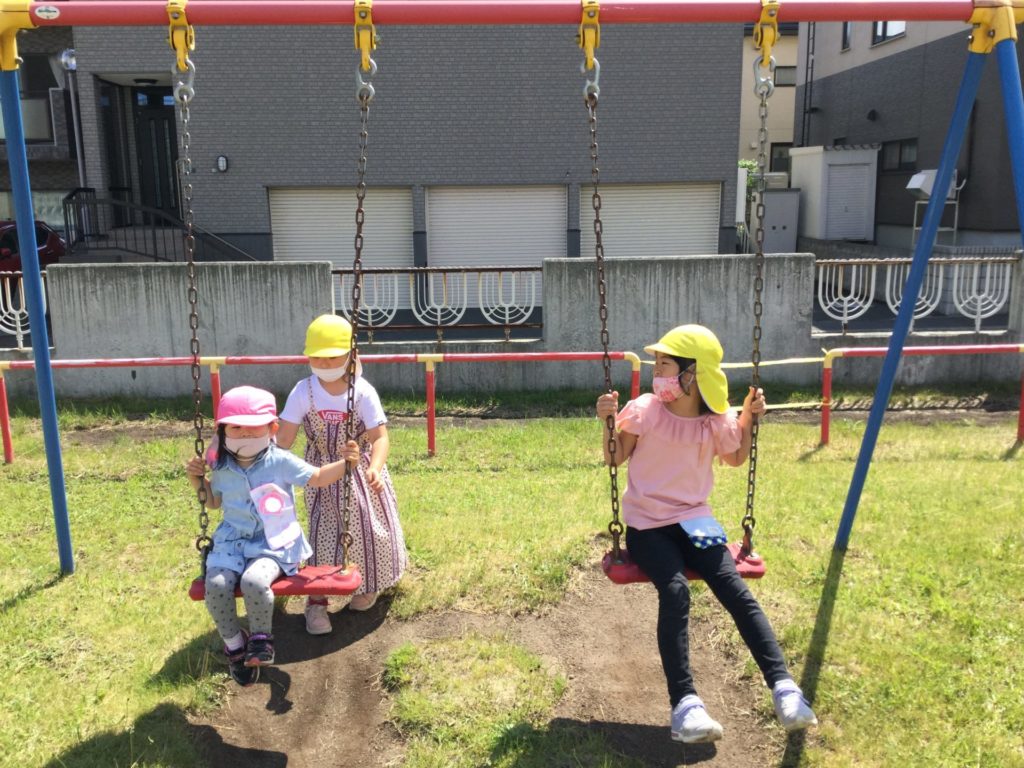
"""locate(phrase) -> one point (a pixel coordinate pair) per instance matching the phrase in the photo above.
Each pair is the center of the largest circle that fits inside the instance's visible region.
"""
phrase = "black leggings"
(661, 553)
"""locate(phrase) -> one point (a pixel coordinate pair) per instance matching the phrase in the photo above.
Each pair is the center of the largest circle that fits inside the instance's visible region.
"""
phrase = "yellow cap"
(700, 344)
(328, 336)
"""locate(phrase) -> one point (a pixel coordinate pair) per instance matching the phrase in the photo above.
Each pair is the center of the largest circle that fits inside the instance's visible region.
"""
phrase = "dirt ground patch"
(322, 704)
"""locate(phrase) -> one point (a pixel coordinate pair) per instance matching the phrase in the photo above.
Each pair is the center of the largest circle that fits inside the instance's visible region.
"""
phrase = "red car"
(51, 246)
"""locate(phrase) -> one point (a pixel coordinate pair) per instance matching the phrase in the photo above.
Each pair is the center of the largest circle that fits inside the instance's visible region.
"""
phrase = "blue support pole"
(17, 159)
(929, 229)
(1013, 103)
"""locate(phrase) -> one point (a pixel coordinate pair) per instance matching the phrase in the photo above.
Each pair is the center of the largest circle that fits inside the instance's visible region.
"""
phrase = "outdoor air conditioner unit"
(920, 185)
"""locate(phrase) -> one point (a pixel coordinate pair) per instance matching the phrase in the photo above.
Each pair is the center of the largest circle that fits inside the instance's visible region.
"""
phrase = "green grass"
(481, 701)
(913, 652)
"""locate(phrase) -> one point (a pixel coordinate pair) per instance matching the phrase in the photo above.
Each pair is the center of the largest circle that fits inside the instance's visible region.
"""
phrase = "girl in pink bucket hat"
(259, 537)
(670, 438)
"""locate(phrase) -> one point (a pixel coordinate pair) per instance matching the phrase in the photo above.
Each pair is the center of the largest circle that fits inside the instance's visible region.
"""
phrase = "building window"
(899, 155)
(780, 158)
(847, 29)
(785, 76)
(887, 30)
(35, 79)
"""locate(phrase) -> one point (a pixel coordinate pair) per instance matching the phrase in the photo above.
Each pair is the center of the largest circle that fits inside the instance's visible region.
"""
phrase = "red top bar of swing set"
(125, 13)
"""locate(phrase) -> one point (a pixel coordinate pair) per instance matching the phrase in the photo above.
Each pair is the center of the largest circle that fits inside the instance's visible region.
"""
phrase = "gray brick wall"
(455, 105)
(913, 94)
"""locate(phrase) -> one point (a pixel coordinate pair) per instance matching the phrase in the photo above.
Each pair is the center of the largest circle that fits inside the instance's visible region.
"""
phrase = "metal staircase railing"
(110, 230)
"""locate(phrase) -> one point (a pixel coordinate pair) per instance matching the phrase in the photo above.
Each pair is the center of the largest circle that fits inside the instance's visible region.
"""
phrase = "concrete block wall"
(107, 311)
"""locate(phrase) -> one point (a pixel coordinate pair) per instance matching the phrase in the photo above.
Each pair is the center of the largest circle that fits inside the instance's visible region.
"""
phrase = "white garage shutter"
(848, 195)
(652, 219)
(318, 224)
(494, 227)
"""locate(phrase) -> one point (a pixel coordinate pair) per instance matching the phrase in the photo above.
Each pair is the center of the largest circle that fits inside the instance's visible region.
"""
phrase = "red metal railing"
(430, 361)
(216, 363)
(967, 349)
(447, 12)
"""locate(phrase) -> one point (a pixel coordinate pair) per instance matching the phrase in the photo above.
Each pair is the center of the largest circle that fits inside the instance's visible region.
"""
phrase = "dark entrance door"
(156, 143)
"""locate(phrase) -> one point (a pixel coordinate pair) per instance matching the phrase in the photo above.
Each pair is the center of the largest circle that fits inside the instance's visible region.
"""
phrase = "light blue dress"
(240, 538)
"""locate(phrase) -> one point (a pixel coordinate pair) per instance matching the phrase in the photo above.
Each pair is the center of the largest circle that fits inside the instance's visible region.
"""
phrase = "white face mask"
(331, 374)
(247, 447)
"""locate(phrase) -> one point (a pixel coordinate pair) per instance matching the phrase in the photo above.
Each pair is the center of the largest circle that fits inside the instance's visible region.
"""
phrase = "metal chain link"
(749, 522)
(615, 527)
(364, 94)
(183, 94)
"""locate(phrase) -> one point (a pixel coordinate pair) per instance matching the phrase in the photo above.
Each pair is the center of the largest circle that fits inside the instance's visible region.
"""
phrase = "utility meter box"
(837, 191)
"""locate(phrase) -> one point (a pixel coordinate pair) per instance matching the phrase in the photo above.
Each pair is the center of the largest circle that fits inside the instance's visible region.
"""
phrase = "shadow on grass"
(815, 658)
(165, 737)
(807, 455)
(1013, 451)
(567, 743)
(26, 592)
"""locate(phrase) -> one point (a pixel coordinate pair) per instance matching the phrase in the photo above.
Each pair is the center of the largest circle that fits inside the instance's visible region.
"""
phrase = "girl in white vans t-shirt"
(320, 404)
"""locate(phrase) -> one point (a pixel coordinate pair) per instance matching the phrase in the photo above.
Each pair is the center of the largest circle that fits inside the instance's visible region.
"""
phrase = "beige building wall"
(781, 104)
(830, 59)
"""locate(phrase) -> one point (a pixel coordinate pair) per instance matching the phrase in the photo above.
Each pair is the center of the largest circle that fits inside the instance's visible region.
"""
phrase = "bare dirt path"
(322, 704)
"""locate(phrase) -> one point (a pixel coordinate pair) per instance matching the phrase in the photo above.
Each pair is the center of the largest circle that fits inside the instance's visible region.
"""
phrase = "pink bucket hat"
(247, 407)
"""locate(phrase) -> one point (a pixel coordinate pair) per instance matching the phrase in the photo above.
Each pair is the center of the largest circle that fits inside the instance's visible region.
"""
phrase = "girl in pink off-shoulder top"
(670, 438)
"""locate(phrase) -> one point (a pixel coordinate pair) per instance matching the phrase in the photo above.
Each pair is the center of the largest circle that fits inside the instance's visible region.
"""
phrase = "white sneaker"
(691, 723)
(363, 602)
(317, 620)
(791, 707)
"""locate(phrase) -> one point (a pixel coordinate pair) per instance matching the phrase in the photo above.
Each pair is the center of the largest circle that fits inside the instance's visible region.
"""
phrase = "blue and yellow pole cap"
(14, 16)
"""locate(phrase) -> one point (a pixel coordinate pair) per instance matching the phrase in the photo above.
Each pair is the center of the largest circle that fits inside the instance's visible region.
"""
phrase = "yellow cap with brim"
(700, 344)
(330, 336)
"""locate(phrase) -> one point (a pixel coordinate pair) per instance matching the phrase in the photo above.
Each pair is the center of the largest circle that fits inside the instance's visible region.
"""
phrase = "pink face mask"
(667, 388)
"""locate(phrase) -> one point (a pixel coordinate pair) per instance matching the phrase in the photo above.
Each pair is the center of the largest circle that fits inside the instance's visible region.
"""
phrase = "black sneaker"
(240, 673)
(260, 650)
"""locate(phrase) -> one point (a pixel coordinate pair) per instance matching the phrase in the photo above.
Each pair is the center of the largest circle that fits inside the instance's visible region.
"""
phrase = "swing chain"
(364, 96)
(183, 94)
(749, 522)
(615, 527)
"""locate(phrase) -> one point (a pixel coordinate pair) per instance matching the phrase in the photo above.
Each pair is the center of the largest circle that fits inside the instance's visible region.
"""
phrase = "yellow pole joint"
(214, 362)
(180, 34)
(830, 355)
(14, 16)
(365, 34)
(429, 360)
(994, 21)
(634, 359)
(589, 36)
(766, 31)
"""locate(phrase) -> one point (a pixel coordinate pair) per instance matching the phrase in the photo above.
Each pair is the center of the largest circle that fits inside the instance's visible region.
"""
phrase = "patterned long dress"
(378, 544)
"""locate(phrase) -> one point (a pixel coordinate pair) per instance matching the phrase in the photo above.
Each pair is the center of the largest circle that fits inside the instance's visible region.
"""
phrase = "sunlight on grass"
(920, 664)
(482, 701)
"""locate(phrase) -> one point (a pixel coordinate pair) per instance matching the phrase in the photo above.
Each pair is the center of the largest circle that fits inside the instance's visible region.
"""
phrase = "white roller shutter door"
(653, 219)
(496, 227)
(848, 193)
(318, 224)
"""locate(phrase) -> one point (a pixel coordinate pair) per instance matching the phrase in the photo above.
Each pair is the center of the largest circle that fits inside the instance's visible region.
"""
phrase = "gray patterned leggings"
(259, 599)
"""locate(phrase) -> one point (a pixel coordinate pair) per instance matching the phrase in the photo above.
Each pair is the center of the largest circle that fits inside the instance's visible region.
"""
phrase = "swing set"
(994, 24)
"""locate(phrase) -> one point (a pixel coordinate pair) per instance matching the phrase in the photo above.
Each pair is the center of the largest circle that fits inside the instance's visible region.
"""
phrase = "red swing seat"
(311, 580)
(625, 571)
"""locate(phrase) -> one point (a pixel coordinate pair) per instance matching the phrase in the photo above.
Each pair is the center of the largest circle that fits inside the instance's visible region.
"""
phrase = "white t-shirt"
(333, 409)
